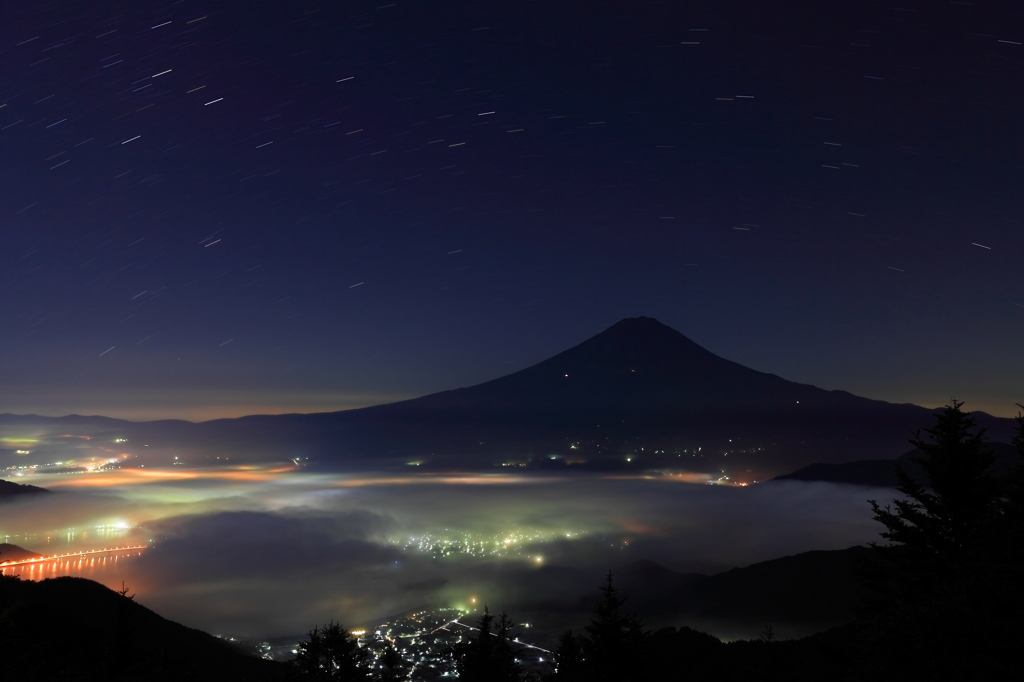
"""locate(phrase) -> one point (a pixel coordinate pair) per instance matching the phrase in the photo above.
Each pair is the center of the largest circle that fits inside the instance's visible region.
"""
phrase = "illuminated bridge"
(71, 555)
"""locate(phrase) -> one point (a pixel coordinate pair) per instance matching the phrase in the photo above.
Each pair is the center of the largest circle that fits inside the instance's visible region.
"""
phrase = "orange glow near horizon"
(140, 405)
(71, 555)
(265, 473)
(678, 476)
(142, 475)
(441, 478)
(74, 564)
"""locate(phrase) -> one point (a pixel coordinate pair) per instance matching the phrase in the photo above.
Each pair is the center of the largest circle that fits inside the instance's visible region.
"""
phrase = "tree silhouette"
(1012, 527)
(937, 588)
(611, 651)
(331, 653)
(612, 648)
(570, 665)
(392, 667)
(1004, 568)
(945, 517)
(124, 592)
(491, 655)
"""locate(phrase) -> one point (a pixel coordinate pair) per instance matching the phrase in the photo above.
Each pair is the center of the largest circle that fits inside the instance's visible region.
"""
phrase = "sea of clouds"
(255, 552)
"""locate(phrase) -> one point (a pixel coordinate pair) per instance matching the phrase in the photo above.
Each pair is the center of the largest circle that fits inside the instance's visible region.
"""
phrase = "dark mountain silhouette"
(77, 629)
(638, 395)
(876, 473)
(639, 389)
(9, 490)
(9, 552)
(882, 472)
(800, 594)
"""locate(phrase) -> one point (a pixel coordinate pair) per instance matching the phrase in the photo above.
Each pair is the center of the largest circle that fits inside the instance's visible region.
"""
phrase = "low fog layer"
(252, 552)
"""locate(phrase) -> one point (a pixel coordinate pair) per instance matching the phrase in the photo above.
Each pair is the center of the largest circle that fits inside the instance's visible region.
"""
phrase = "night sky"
(219, 208)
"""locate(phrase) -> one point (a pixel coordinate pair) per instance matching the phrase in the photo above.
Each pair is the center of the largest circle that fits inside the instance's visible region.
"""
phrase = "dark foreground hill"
(9, 490)
(792, 618)
(9, 552)
(76, 629)
(799, 595)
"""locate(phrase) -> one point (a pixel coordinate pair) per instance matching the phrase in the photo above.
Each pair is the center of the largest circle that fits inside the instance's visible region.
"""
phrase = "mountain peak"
(636, 342)
(639, 386)
(641, 325)
(646, 328)
(640, 320)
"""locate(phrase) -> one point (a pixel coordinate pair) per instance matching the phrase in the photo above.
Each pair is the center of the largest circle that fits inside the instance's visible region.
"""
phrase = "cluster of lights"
(101, 456)
(424, 641)
(481, 546)
(103, 531)
(79, 467)
(725, 480)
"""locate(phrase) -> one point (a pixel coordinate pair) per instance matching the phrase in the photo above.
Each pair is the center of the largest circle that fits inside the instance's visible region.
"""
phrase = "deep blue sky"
(217, 208)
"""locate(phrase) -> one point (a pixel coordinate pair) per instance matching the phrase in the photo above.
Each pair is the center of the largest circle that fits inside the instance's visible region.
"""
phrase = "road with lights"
(72, 555)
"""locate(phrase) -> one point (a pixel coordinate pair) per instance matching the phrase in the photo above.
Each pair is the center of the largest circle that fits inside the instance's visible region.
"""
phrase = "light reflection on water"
(58, 541)
(111, 569)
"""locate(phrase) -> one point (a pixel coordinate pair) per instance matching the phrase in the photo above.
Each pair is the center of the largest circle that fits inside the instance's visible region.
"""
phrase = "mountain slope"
(10, 490)
(800, 594)
(635, 388)
(638, 395)
(9, 552)
(77, 629)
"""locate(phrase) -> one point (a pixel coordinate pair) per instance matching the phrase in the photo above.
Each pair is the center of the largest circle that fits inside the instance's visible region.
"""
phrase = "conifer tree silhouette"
(331, 653)
(937, 592)
(491, 655)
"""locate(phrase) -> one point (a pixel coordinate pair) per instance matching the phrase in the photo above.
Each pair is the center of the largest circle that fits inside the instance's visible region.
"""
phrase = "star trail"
(221, 208)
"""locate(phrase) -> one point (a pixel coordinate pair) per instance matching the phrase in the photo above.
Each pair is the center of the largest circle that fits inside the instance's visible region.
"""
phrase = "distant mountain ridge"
(634, 389)
(637, 395)
(881, 473)
(799, 594)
